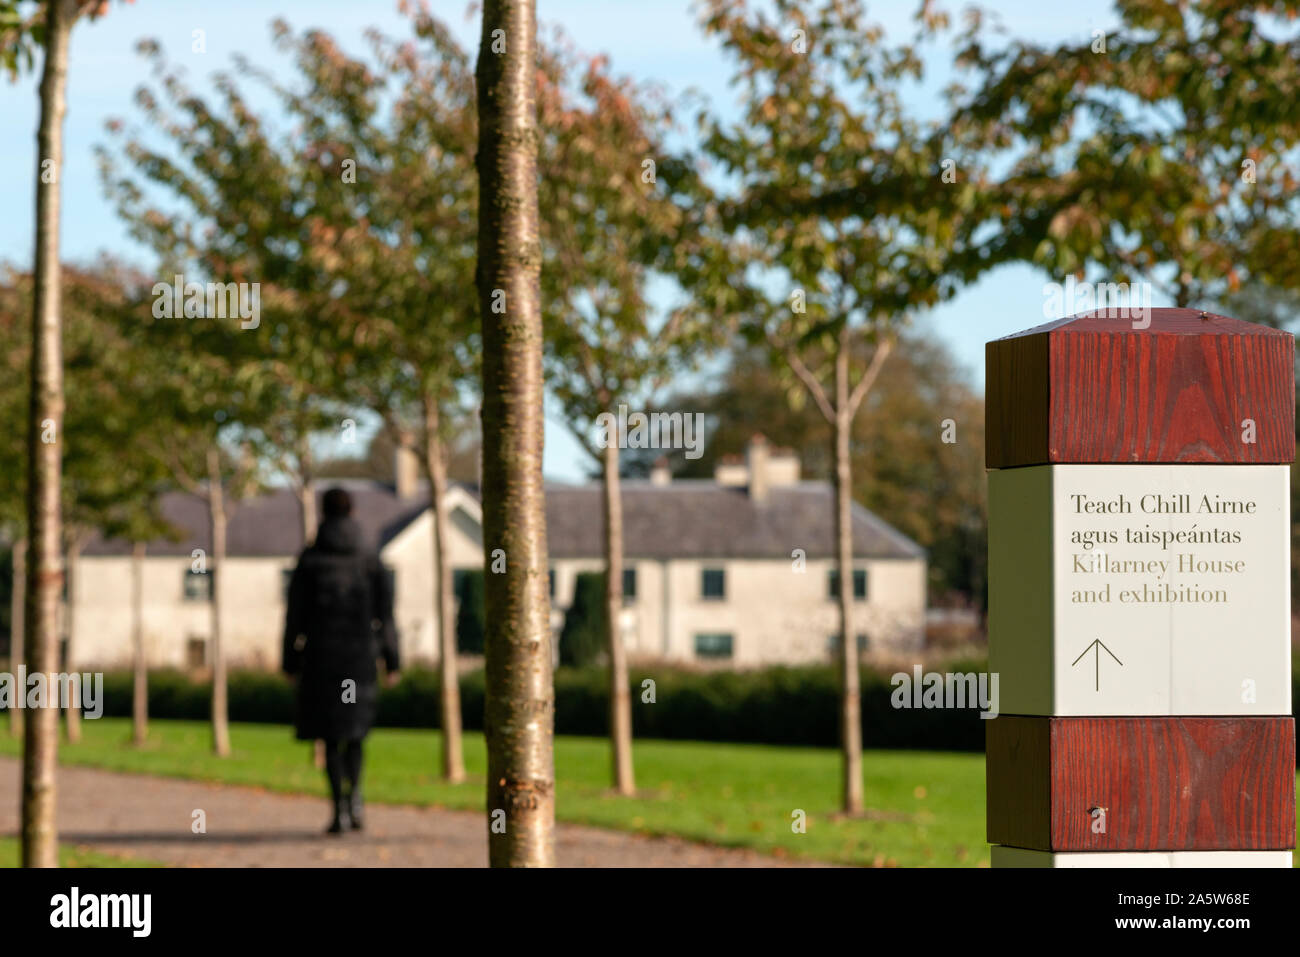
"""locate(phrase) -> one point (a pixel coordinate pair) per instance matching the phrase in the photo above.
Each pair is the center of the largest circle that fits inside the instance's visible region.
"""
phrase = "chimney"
(756, 458)
(730, 470)
(782, 467)
(659, 473)
(406, 471)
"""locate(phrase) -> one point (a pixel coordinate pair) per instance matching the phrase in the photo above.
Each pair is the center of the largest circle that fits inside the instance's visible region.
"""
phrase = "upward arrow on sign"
(1097, 647)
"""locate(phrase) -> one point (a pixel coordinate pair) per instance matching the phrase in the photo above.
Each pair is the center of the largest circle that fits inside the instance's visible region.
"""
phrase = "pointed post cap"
(1176, 385)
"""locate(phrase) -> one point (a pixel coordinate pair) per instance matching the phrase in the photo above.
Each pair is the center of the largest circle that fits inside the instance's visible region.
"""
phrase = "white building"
(736, 569)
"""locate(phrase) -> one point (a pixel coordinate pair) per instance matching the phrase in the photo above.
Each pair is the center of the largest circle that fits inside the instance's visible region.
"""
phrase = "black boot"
(354, 809)
(336, 823)
(352, 774)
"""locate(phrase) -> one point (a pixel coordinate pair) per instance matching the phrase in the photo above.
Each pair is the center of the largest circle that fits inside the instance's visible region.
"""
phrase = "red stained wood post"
(1139, 592)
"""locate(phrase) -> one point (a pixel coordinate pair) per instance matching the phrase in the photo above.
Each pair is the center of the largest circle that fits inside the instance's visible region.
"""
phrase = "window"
(859, 584)
(198, 586)
(713, 646)
(833, 644)
(196, 652)
(713, 584)
(629, 586)
(550, 583)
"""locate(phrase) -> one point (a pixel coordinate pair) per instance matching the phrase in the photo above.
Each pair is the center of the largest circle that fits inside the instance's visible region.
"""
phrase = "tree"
(15, 341)
(841, 228)
(217, 393)
(48, 26)
(406, 270)
(44, 448)
(284, 438)
(1161, 151)
(917, 449)
(362, 218)
(606, 207)
(846, 220)
(241, 383)
(109, 486)
(1278, 307)
(112, 484)
(519, 711)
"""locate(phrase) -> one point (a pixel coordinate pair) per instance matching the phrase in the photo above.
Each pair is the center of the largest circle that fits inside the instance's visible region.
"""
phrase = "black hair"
(337, 503)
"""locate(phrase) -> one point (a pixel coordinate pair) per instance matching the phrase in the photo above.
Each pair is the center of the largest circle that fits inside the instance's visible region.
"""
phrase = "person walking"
(338, 622)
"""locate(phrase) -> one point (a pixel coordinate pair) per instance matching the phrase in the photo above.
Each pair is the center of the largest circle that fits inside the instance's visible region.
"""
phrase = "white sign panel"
(1020, 857)
(1141, 589)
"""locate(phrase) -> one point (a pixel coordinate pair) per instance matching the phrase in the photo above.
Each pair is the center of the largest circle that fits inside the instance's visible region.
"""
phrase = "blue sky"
(649, 39)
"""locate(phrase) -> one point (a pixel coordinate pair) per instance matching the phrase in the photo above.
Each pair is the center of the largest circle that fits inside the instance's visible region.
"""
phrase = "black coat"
(339, 620)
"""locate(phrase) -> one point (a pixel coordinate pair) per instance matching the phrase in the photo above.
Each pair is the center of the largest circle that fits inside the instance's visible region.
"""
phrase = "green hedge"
(797, 706)
(470, 616)
(794, 706)
(582, 639)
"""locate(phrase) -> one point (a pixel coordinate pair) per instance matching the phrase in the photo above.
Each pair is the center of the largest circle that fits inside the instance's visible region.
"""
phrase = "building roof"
(270, 524)
(682, 519)
(702, 519)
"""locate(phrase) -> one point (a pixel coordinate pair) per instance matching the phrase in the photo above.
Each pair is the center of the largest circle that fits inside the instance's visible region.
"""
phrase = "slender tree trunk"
(72, 716)
(307, 510)
(216, 568)
(435, 465)
(306, 492)
(519, 711)
(44, 453)
(850, 678)
(17, 632)
(620, 701)
(140, 684)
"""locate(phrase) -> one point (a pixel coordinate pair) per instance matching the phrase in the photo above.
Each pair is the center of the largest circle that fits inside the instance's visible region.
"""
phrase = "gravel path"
(135, 815)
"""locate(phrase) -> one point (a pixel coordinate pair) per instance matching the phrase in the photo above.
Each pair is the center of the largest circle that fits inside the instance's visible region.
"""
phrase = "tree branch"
(810, 383)
(883, 348)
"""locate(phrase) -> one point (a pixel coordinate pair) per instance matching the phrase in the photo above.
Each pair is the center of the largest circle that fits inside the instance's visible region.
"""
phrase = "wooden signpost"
(1139, 593)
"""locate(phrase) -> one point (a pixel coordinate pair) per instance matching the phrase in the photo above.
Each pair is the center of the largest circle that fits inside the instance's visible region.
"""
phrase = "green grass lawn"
(927, 808)
(71, 857)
